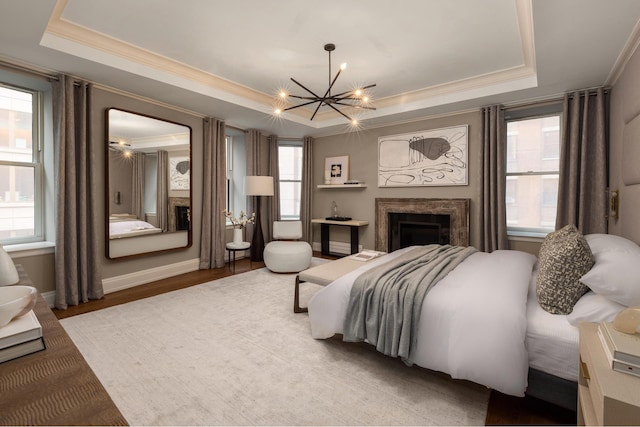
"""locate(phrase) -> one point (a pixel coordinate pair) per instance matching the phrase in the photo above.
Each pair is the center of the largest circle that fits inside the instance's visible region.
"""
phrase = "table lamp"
(258, 186)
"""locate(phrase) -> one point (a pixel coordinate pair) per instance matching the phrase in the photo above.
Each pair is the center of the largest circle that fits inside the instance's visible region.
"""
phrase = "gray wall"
(361, 147)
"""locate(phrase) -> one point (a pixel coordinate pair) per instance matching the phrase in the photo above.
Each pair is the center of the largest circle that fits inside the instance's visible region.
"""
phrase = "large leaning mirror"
(148, 194)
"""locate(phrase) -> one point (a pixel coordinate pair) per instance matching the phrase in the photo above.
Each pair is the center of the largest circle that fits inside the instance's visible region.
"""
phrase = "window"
(21, 168)
(236, 170)
(290, 172)
(532, 174)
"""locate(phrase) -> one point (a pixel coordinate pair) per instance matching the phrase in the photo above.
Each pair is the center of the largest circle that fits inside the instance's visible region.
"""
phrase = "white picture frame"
(336, 169)
(434, 157)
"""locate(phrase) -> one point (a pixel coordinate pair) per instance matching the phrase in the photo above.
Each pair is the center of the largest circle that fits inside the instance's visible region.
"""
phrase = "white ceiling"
(227, 59)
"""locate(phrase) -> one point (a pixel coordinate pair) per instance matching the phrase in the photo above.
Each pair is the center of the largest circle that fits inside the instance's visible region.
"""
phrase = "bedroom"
(330, 143)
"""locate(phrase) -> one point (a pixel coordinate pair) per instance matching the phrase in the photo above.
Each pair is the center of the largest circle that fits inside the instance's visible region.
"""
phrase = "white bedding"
(552, 342)
(120, 228)
(473, 323)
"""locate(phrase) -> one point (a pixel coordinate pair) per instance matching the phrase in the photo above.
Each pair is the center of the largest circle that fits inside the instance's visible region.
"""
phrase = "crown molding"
(74, 39)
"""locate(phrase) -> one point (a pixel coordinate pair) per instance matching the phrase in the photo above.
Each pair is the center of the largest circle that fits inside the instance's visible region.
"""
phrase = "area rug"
(232, 352)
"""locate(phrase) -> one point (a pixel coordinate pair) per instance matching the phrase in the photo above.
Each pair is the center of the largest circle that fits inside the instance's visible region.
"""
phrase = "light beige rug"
(232, 352)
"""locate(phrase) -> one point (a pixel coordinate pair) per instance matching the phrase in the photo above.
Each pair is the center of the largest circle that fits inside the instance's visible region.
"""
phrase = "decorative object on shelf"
(424, 158)
(355, 98)
(8, 273)
(337, 169)
(258, 186)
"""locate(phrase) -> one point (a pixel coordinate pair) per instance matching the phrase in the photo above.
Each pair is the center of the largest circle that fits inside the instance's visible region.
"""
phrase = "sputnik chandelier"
(356, 98)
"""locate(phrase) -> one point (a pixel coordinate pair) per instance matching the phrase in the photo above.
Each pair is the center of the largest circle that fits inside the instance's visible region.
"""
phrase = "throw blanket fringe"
(386, 301)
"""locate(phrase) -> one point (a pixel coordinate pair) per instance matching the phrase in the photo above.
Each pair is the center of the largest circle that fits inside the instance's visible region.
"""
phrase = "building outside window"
(532, 174)
(290, 172)
(21, 169)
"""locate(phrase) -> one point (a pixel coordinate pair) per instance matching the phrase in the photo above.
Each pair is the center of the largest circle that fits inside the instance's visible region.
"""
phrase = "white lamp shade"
(8, 273)
(258, 186)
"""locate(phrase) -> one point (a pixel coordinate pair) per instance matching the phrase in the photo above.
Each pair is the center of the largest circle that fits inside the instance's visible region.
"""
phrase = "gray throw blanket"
(386, 301)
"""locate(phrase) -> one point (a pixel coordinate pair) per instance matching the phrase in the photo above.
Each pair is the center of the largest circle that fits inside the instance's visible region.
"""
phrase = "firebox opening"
(409, 229)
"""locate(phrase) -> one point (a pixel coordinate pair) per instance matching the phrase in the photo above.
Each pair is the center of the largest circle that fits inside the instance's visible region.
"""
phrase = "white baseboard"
(336, 247)
(49, 297)
(125, 281)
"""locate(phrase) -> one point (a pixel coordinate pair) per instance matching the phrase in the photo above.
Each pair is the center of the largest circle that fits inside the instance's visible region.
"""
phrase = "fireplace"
(409, 229)
(406, 222)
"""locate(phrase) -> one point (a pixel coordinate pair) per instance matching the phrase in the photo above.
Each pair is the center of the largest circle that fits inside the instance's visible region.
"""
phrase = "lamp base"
(257, 241)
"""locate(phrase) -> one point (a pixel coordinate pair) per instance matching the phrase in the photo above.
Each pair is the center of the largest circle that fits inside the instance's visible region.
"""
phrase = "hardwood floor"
(503, 409)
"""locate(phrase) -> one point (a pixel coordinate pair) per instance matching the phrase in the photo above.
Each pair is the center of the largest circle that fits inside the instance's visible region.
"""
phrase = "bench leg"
(296, 298)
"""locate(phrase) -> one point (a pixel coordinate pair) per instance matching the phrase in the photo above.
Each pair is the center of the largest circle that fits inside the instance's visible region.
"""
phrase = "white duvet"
(473, 323)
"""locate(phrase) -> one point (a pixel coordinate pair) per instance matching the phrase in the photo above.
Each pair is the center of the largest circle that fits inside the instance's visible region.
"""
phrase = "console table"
(55, 386)
(353, 224)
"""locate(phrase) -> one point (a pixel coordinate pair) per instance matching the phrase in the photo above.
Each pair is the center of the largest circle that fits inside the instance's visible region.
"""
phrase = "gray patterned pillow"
(565, 256)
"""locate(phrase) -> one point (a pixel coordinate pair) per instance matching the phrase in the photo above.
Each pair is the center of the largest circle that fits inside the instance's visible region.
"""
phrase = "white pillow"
(601, 243)
(616, 276)
(594, 308)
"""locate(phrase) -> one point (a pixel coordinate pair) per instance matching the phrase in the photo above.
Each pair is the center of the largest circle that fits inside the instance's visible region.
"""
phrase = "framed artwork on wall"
(179, 173)
(436, 157)
(336, 169)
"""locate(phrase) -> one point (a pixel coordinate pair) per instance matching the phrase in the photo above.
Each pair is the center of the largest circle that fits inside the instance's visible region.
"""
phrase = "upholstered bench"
(322, 275)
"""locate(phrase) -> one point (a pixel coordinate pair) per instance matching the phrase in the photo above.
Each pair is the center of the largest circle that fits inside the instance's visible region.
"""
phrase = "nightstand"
(605, 397)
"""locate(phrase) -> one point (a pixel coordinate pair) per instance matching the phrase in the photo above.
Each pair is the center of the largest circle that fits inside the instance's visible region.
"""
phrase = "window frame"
(289, 143)
(532, 113)
(37, 163)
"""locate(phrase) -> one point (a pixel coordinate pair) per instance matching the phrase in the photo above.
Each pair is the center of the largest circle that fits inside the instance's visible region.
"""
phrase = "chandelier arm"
(303, 87)
(355, 106)
(300, 105)
(338, 111)
(320, 102)
(353, 90)
(328, 92)
(314, 98)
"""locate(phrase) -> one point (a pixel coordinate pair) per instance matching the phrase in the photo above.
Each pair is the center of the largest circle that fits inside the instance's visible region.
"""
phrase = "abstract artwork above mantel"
(436, 157)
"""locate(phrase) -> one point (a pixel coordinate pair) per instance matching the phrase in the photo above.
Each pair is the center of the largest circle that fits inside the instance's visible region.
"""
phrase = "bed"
(127, 225)
(483, 321)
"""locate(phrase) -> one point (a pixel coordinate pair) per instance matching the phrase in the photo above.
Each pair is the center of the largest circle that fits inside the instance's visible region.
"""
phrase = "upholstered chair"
(286, 253)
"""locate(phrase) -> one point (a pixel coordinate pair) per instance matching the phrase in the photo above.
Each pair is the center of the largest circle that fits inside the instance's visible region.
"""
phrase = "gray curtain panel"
(137, 184)
(162, 187)
(79, 229)
(212, 241)
(493, 210)
(306, 192)
(258, 165)
(582, 190)
(274, 202)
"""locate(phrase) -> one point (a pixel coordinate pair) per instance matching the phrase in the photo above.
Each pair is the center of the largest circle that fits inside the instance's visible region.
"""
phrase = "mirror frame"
(150, 240)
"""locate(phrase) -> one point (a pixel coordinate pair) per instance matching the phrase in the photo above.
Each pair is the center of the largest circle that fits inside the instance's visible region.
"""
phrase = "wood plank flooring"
(503, 409)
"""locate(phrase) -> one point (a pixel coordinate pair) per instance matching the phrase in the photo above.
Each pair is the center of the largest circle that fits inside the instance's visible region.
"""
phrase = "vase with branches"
(239, 223)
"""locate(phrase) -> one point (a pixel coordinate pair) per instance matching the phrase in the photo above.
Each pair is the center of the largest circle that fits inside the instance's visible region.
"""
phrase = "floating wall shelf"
(342, 186)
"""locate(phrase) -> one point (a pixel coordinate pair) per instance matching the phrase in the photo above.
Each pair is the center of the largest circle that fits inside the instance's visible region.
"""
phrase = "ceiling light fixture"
(356, 98)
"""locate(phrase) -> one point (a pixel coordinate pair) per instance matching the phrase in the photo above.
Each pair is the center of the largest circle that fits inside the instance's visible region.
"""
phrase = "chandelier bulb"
(282, 94)
(365, 99)
(343, 66)
(358, 92)
(278, 111)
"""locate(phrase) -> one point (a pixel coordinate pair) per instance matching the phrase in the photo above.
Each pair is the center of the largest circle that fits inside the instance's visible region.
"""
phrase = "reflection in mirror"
(148, 190)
